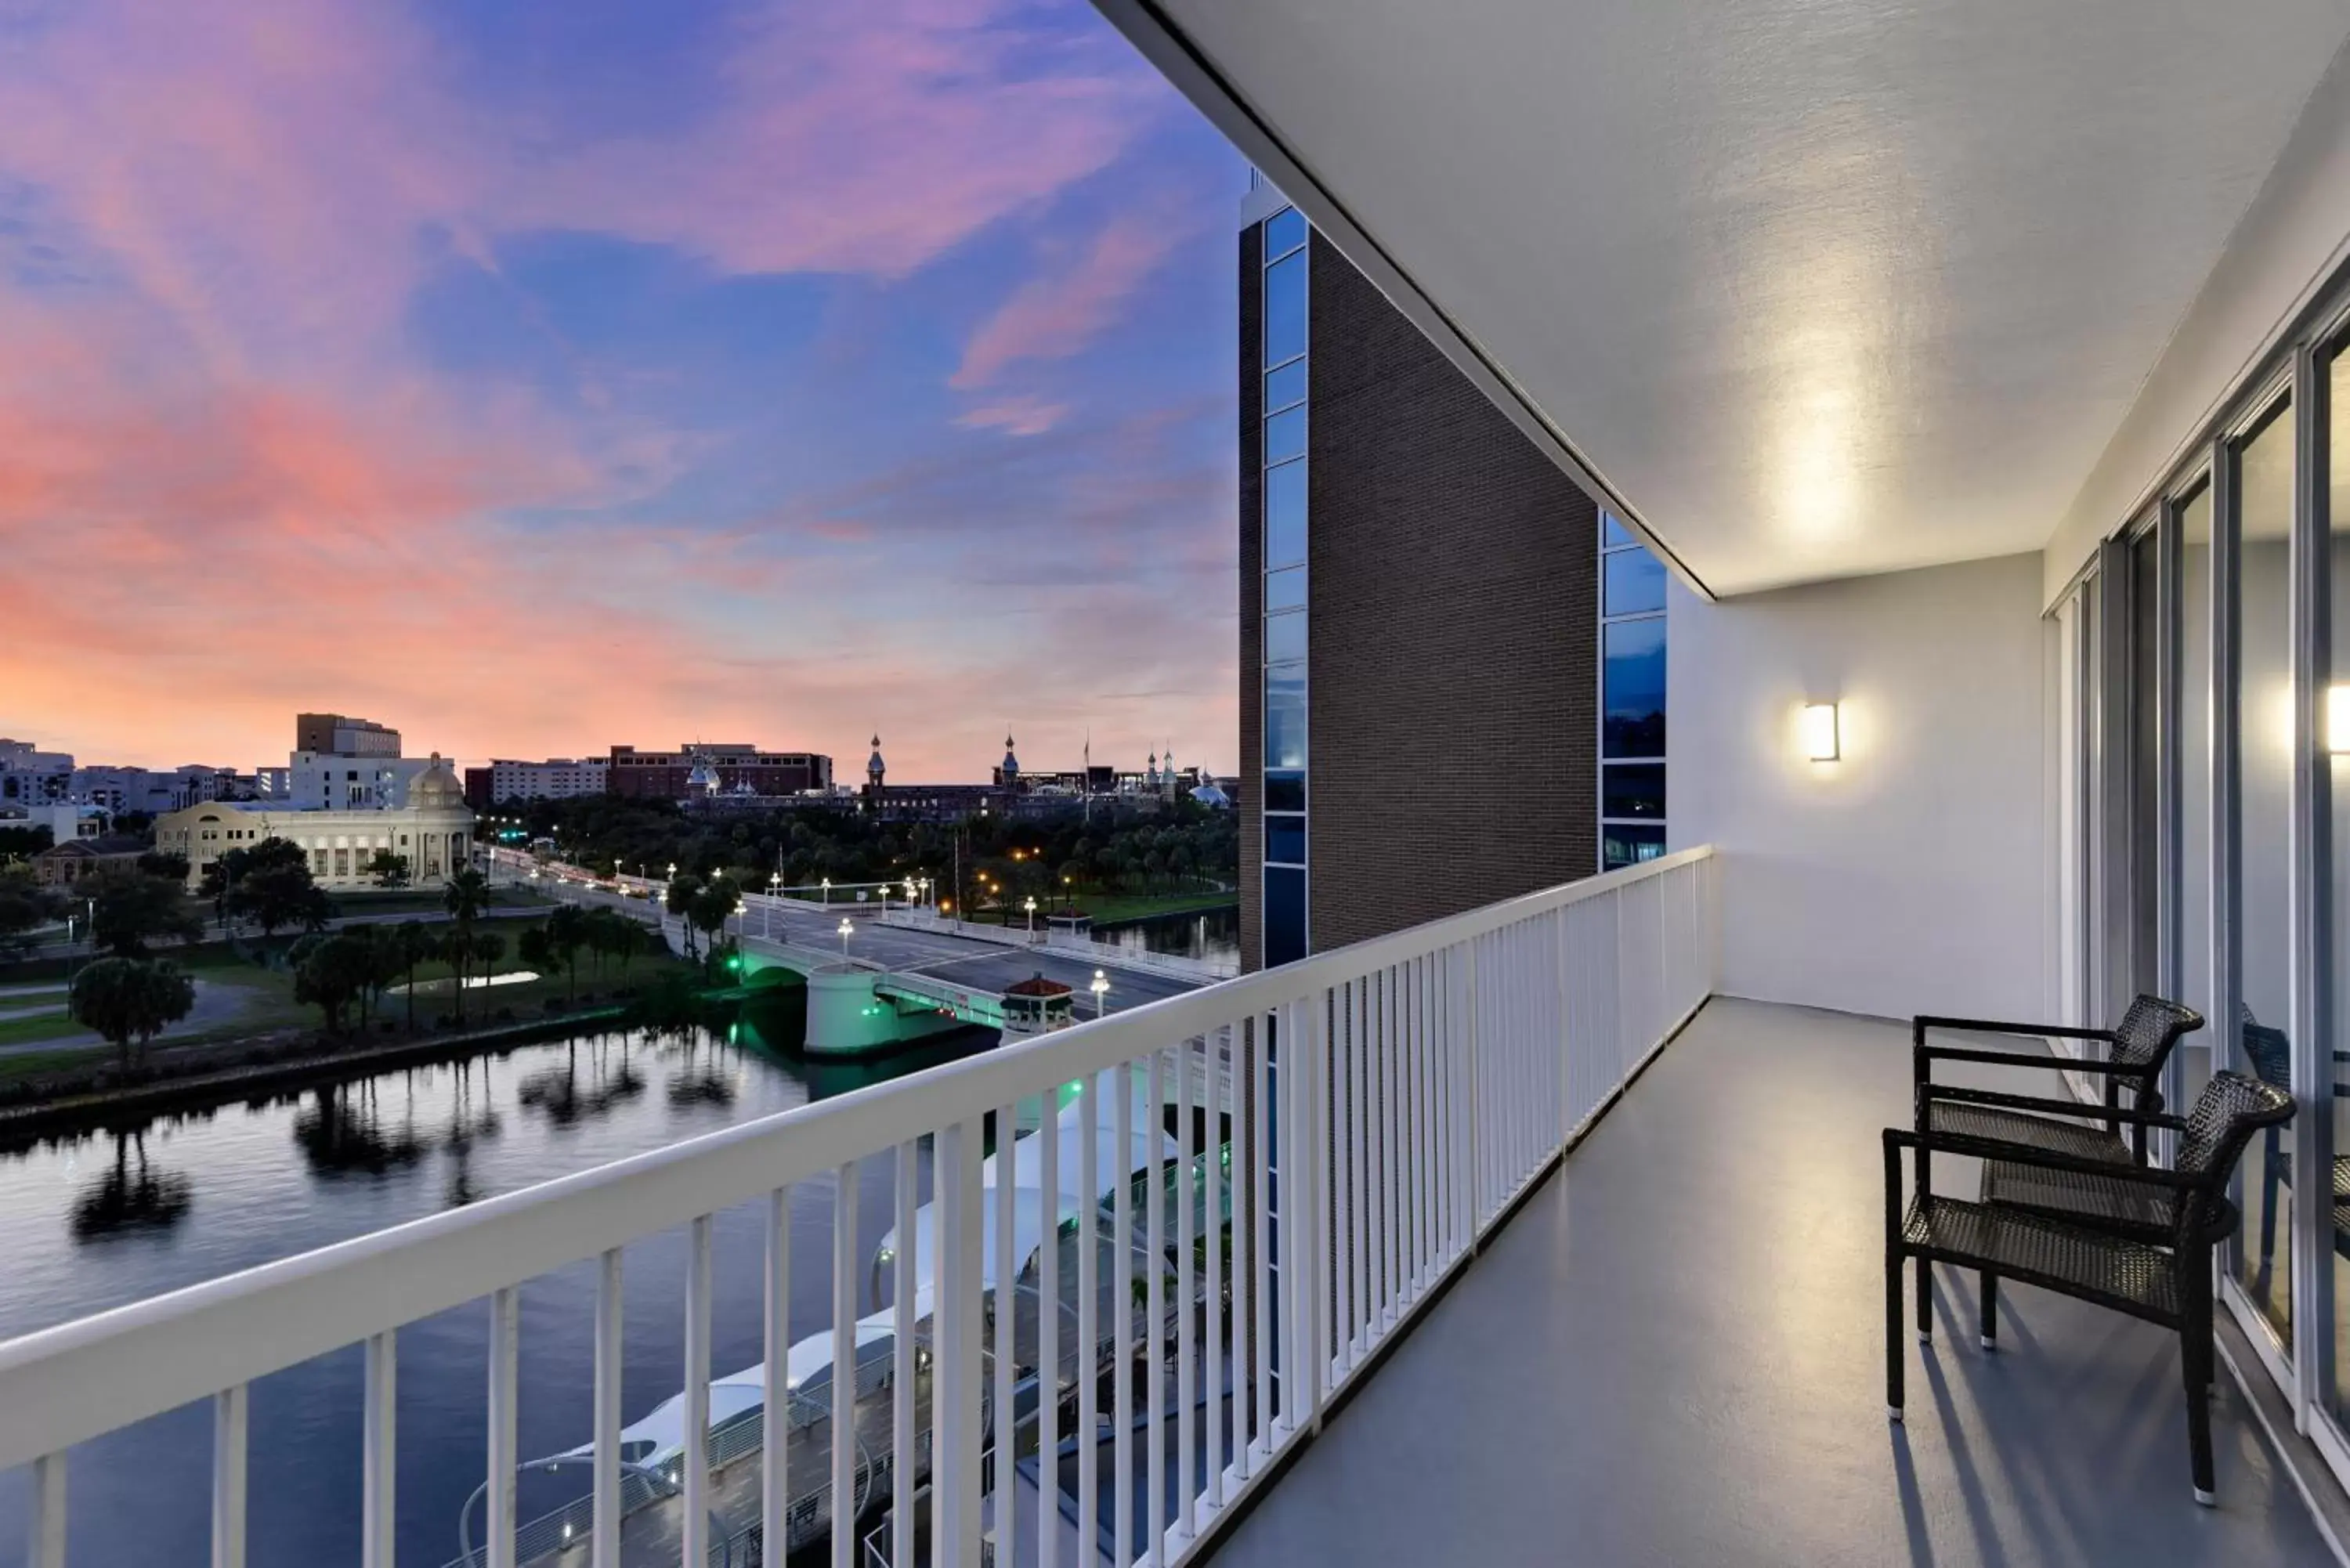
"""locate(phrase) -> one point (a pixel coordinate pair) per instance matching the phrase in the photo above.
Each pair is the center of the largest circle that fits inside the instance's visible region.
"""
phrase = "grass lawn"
(36, 1026)
(33, 1064)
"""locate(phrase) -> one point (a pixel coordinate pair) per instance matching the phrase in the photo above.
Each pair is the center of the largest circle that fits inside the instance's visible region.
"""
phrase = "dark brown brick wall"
(1452, 628)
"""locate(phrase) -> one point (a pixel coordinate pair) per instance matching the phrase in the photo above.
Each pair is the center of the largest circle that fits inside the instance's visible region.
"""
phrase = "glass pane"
(2333, 719)
(1633, 723)
(1285, 589)
(2145, 762)
(1284, 435)
(1284, 791)
(1284, 916)
(2195, 786)
(1284, 386)
(1284, 230)
(1635, 582)
(1284, 638)
(1611, 532)
(1632, 789)
(1285, 717)
(2264, 719)
(1284, 310)
(1284, 840)
(1622, 846)
(1284, 514)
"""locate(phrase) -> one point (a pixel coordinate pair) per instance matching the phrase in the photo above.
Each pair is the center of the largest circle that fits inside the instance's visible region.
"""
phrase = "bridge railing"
(1384, 1104)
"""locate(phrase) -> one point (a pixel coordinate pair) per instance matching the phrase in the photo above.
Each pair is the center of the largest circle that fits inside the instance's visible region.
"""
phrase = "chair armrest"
(2047, 1159)
(2077, 1109)
(1929, 1054)
(1925, 1021)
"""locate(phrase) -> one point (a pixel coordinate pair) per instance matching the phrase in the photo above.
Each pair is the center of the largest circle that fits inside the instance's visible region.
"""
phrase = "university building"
(433, 830)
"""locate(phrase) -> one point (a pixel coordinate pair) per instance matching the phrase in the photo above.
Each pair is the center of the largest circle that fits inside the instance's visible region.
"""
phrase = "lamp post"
(846, 931)
(1100, 991)
(1032, 919)
(827, 892)
(774, 891)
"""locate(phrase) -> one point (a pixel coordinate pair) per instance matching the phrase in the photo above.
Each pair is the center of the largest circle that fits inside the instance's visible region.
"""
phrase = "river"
(1209, 934)
(99, 1220)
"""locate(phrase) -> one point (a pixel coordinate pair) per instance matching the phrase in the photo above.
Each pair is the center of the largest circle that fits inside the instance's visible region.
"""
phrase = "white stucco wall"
(1910, 875)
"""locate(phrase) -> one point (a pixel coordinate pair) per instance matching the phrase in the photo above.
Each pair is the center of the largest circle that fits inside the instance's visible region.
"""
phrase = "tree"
(628, 938)
(132, 909)
(534, 951)
(270, 885)
(566, 932)
(466, 896)
(413, 942)
(333, 972)
(169, 863)
(389, 870)
(130, 1000)
(714, 905)
(25, 906)
(682, 892)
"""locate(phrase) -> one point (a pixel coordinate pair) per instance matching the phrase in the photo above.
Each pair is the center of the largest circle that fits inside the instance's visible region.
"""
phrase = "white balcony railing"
(1424, 1080)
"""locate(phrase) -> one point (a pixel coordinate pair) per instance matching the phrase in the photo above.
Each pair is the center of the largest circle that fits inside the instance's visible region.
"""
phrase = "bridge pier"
(844, 1017)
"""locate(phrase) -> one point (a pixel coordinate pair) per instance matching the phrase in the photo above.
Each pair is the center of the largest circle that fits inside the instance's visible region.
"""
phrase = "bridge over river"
(902, 972)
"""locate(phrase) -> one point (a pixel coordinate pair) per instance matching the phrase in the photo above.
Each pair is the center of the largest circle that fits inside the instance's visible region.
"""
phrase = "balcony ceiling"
(1819, 287)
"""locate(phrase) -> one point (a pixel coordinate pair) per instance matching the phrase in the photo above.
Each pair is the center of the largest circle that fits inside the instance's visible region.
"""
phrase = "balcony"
(1422, 1339)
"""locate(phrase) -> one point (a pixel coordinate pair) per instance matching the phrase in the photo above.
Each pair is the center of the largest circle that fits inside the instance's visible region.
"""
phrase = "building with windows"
(737, 769)
(66, 862)
(337, 734)
(557, 778)
(30, 777)
(1426, 601)
(432, 831)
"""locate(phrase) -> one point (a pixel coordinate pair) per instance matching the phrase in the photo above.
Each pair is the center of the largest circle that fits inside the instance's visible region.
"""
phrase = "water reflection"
(130, 1198)
(1208, 934)
(344, 1132)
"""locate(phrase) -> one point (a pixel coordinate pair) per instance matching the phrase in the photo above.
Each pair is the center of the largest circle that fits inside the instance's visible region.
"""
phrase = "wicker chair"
(2271, 1056)
(2169, 1283)
(2137, 1050)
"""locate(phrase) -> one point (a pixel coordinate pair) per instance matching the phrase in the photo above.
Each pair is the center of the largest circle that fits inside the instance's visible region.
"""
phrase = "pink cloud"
(1056, 313)
(1020, 414)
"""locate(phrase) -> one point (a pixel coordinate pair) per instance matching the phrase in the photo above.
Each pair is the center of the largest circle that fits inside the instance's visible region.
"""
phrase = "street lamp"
(774, 891)
(846, 931)
(1100, 991)
(827, 890)
(1032, 919)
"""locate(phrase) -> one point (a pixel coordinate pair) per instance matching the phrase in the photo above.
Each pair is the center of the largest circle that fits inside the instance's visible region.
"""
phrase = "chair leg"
(1893, 1352)
(1990, 1310)
(1925, 1303)
(2195, 1357)
(2270, 1178)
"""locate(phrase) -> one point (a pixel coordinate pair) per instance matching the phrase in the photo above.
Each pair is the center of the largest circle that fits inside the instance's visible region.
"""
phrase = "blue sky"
(540, 378)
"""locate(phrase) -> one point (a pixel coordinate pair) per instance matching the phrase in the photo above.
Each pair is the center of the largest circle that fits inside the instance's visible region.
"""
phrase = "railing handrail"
(66, 1384)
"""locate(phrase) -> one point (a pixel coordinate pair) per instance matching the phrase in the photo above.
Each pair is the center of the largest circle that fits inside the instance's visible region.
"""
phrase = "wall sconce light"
(1823, 737)
(2337, 719)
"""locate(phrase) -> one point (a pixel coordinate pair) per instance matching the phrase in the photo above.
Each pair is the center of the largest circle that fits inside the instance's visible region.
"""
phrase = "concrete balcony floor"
(1674, 1356)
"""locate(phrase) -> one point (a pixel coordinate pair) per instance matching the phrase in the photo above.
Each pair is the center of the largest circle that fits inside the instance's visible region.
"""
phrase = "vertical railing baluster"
(1359, 1139)
(376, 1452)
(1088, 1345)
(904, 1454)
(955, 1381)
(1375, 1152)
(694, 1463)
(1187, 1281)
(1048, 1336)
(1313, 1111)
(45, 1527)
(1122, 1307)
(775, 1387)
(1215, 1051)
(506, 1393)
(1256, 1422)
(1417, 1191)
(1154, 1324)
(1391, 1147)
(604, 1518)
(1006, 1304)
(844, 1368)
(231, 1417)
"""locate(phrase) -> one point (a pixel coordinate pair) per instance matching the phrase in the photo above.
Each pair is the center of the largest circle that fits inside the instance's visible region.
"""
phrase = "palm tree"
(567, 932)
(466, 897)
(682, 892)
(414, 943)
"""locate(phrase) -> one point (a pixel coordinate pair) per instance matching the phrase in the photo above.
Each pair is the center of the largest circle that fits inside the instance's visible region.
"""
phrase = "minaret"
(1009, 774)
(874, 769)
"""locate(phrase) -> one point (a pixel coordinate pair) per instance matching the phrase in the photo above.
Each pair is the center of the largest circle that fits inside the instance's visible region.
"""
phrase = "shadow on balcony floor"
(1674, 1356)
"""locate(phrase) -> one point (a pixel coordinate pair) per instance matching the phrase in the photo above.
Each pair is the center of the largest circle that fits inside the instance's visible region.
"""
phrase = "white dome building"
(434, 832)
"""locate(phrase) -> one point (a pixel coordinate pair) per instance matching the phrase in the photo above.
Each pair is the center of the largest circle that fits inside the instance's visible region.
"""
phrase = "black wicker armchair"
(2162, 1272)
(2137, 1050)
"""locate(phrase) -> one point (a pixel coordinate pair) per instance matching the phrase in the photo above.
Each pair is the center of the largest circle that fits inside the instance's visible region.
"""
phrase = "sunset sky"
(535, 378)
